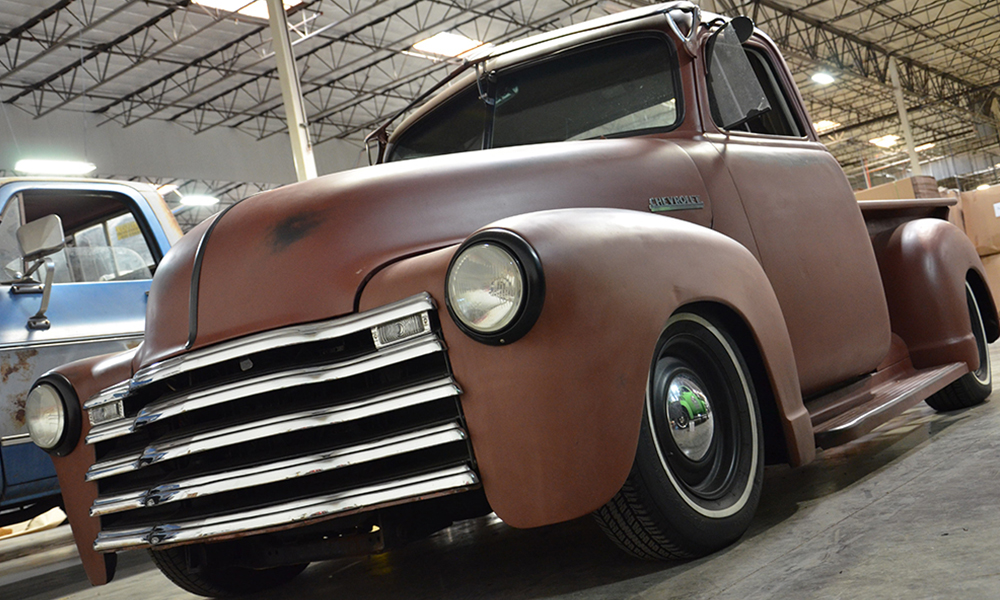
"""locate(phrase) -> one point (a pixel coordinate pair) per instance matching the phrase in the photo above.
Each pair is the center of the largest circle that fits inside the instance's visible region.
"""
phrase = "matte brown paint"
(554, 417)
(796, 196)
(88, 376)
(922, 255)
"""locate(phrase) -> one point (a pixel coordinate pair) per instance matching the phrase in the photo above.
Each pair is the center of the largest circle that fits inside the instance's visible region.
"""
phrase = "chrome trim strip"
(429, 485)
(282, 471)
(117, 337)
(185, 402)
(107, 395)
(288, 336)
(428, 392)
(15, 440)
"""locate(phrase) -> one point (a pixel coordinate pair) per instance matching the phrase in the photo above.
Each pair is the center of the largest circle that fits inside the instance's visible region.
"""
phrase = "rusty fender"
(88, 377)
(924, 265)
(554, 417)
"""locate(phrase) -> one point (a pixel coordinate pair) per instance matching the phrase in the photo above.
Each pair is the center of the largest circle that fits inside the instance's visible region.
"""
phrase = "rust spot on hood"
(8, 368)
(293, 229)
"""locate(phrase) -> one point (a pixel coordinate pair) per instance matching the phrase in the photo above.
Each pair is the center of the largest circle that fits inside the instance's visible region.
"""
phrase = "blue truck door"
(97, 306)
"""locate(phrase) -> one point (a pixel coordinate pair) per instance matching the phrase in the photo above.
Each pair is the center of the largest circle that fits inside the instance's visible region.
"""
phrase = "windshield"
(617, 88)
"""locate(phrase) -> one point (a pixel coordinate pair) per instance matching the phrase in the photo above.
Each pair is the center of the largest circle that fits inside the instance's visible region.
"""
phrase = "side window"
(103, 239)
(779, 120)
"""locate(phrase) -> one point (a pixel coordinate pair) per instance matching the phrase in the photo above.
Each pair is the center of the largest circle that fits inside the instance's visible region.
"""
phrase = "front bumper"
(282, 428)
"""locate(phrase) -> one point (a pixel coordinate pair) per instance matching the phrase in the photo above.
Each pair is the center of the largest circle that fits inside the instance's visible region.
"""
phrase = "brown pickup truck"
(607, 270)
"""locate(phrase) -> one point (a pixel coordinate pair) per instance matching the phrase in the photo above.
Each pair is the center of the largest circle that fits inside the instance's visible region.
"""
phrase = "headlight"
(52, 415)
(45, 415)
(494, 288)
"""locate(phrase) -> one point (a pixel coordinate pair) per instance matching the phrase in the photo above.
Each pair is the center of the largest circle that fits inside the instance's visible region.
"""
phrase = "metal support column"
(901, 108)
(291, 92)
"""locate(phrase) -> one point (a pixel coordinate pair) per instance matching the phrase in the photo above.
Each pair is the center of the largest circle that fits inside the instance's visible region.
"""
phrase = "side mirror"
(41, 237)
(735, 94)
(38, 240)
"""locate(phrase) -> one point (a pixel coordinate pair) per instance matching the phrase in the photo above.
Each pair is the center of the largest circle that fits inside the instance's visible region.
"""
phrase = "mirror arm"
(39, 321)
(689, 41)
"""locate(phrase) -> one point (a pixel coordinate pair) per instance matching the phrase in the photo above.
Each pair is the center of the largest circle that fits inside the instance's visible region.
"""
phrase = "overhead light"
(33, 166)
(825, 125)
(167, 188)
(984, 186)
(886, 141)
(447, 44)
(199, 200)
(926, 146)
(823, 78)
(249, 8)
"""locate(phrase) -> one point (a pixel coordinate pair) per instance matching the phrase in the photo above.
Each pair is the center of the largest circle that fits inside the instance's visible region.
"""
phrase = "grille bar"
(175, 405)
(269, 340)
(276, 426)
(282, 471)
(429, 485)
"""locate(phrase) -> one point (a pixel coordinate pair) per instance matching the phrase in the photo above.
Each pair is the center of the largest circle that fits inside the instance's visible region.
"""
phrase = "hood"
(303, 252)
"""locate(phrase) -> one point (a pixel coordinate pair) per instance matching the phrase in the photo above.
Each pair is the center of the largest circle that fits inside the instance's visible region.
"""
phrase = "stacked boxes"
(977, 213)
(982, 225)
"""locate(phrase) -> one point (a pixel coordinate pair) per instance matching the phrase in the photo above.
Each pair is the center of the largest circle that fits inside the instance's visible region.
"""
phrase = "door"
(97, 306)
(807, 226)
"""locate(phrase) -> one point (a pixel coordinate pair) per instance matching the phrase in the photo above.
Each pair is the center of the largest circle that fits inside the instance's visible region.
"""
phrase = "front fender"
(925, 265)
(554, 417)
(88, 377)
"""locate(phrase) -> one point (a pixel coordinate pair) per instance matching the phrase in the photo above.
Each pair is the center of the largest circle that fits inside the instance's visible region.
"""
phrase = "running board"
(847, 414)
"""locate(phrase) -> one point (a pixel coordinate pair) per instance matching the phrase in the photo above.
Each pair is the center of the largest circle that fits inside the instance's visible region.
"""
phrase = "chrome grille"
(317, 420)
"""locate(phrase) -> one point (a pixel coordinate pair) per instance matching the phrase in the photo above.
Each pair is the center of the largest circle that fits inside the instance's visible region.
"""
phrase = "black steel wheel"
(695, 483)
(975, 387)
(219, 581)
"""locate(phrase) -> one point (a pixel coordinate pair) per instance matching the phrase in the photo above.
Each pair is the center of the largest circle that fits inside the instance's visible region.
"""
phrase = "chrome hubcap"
(690, 413)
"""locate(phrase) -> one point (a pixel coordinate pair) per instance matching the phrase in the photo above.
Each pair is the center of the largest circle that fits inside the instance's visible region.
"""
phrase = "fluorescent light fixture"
(886, 141)
(199, 200)
(167, 188)
(35, 166)
(984, 186)
(249, 8)
(825, 125)
(446, 44)
(823, 78)
(926, 146)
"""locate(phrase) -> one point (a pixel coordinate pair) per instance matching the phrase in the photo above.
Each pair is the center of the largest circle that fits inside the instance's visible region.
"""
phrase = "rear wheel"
(219, 581)
(694, 486)
(975, 387)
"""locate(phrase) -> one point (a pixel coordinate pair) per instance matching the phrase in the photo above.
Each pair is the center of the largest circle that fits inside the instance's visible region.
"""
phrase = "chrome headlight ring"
(524, 289)
(53, 415)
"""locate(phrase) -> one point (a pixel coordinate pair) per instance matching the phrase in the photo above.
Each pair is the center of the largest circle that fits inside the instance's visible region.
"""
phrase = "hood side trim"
(196, 277)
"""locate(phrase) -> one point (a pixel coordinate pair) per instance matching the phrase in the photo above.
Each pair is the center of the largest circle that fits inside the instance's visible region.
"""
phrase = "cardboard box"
(922, 186)
(981, 209)
(956, 215)
(992, 264)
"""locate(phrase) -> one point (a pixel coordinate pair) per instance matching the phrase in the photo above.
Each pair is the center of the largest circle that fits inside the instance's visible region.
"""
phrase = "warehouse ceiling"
(181, 61)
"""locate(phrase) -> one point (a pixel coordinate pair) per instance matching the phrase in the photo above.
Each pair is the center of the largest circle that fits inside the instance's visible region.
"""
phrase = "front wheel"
(975, 387)
(219, 581)
(695, 483)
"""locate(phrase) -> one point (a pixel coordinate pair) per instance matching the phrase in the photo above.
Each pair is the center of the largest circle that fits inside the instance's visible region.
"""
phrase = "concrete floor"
(911, 511)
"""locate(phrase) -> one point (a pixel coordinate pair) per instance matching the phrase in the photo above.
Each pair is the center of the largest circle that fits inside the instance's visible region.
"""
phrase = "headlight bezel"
(72, 413)
(533, 296)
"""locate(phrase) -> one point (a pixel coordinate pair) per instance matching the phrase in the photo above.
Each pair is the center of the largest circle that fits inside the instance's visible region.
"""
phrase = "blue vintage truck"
(115, 234)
